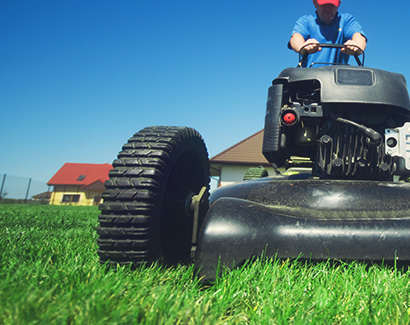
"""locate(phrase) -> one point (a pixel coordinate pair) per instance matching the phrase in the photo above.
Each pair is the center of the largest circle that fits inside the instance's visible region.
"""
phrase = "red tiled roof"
(245, 152)
(80, 174)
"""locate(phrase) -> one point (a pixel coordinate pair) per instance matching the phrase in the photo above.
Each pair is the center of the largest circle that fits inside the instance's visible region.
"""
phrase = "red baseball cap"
(332, 2)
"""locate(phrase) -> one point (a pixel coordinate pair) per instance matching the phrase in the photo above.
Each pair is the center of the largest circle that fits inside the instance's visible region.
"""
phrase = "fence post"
(2, 185)
(28, 189)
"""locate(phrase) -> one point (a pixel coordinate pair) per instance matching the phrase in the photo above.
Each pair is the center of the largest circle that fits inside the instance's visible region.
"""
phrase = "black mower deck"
(313, 219)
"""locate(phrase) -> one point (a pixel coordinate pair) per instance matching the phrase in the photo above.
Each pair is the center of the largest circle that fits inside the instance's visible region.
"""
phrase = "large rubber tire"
(146, 213)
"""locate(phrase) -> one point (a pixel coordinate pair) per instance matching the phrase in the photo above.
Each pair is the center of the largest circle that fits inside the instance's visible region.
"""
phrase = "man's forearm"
(296, 42)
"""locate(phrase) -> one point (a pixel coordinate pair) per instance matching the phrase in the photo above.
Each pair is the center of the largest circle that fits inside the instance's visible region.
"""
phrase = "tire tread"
(132, 195)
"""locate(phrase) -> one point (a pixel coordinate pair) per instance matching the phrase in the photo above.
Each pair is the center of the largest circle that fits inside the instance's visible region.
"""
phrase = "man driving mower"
(328, 26)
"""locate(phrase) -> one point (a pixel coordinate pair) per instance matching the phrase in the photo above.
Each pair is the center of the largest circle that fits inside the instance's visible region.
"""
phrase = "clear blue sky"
(79, 77)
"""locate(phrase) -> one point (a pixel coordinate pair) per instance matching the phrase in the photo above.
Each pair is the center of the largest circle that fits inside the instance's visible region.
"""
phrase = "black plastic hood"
(350, 84)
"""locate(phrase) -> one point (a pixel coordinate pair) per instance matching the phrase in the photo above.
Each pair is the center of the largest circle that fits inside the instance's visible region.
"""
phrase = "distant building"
(231, 164)
(79, 184)
(45, 196)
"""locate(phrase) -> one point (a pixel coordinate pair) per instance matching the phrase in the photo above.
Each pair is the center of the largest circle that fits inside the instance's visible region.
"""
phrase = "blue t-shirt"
(342, 29)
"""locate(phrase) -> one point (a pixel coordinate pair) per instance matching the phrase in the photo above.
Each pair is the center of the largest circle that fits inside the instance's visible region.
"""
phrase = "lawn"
(50, 273)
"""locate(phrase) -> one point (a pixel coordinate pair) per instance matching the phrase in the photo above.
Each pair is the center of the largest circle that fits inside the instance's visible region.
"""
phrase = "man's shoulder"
(305, 23)
(351, 25)
(307, 18)
(346, 16)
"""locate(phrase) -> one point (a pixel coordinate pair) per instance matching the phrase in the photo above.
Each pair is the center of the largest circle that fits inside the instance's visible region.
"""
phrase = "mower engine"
(343, 119)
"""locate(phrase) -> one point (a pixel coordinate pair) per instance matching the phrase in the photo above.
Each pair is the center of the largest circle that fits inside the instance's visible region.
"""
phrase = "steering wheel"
(303, 56)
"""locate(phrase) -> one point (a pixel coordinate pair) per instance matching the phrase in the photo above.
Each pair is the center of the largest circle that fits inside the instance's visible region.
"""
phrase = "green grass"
(49, 273)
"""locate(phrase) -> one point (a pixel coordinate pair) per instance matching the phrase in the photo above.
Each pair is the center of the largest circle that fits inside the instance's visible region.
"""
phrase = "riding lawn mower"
(344, 131)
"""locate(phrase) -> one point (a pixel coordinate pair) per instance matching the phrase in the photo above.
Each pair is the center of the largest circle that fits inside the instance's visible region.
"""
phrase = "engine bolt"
(391, 142)
(325, 140)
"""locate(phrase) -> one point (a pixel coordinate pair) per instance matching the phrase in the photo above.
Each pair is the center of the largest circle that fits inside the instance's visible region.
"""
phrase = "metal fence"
(23, 189)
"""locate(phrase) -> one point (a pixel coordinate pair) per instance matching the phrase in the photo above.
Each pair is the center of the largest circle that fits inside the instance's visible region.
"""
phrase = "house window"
(71, 198)
(81, 177)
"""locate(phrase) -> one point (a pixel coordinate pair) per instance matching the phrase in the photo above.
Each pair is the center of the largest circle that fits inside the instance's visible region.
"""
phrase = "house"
(79, 184)
(45, 196)
(231, 164)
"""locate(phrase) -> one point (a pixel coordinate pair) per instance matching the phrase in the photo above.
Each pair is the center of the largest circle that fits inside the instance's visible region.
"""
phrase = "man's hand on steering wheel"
(352, 48)
(310, 46)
